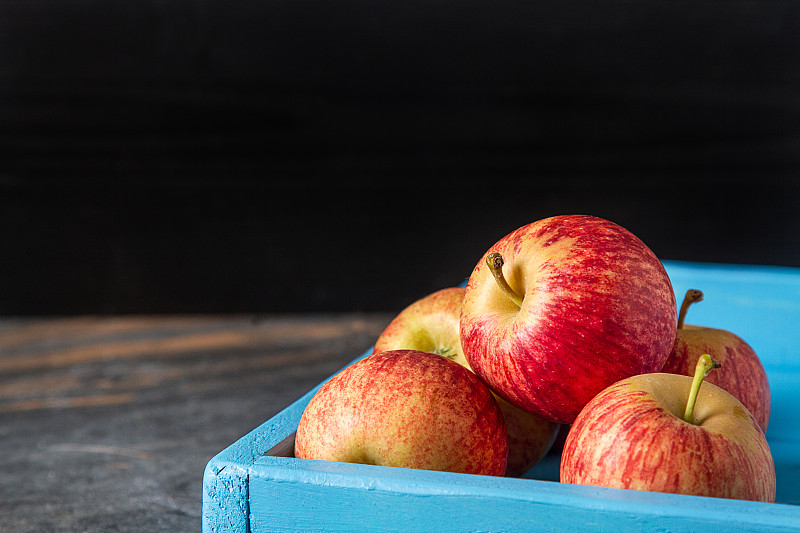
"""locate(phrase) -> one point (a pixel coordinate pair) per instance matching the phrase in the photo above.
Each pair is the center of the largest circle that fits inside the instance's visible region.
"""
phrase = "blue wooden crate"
(255, 485)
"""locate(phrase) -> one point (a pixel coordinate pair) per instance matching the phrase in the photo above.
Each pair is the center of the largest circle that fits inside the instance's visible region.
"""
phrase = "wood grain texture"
(106, 423)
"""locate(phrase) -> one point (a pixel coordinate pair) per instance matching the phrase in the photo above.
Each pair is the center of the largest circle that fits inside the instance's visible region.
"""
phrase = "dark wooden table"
(106, 423)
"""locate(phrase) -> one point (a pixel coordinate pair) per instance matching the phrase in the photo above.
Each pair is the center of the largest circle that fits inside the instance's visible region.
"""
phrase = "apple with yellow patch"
(664, 433)
(408, 409)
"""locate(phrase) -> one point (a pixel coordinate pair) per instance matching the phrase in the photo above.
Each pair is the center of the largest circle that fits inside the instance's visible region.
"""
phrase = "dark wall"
(292, 156)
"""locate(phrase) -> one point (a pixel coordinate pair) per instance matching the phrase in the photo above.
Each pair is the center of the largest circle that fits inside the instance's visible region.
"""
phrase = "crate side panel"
(316, 500)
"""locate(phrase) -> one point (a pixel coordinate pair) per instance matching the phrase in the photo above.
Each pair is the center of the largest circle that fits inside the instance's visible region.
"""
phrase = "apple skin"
(598, 306)
(742, 373)
(431, 324)
(408, 409)
(632, 436)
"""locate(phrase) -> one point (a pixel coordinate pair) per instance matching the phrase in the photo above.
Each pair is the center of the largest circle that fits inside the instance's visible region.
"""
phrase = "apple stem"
(495, 262)
(692, 296)
(705, 364)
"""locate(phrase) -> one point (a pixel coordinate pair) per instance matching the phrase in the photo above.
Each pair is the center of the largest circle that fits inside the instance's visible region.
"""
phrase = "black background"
(292, 156)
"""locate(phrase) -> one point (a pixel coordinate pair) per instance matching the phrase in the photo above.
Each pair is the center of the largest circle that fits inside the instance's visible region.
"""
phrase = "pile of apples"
(567, 325)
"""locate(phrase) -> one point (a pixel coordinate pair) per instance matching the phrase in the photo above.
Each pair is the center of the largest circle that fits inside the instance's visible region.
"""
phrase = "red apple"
(431, 324)
(561, 308)
(406, 408)
(656, 432)
(742, 373)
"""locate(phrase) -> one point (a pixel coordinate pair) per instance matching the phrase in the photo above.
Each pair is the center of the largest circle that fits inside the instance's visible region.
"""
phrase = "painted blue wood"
(317, 496)
(246, 491)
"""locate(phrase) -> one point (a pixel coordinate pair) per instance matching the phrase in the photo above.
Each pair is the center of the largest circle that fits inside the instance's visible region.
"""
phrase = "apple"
(561, 308)
(742, 373)
(431, 324)
(408, 409)
(664, 433)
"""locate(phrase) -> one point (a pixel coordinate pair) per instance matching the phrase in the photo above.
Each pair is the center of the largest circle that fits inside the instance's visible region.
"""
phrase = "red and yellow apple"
(431, 324)
(742, 373)
(561, 308)
(409, 409)
(664, 433)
